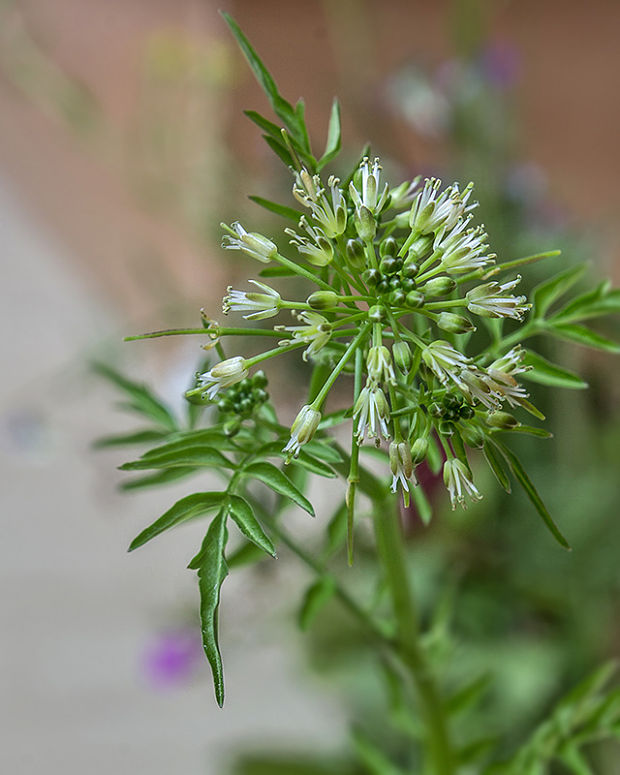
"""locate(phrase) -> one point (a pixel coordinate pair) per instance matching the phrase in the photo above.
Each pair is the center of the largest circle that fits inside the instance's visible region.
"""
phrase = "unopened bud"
(400, 458)
(420, 248)
(376, 313)
(501, 420)
(365, 223)
(371, 277)
(414, 299)
(402, 356)
(323, 300)
(455, 324)
(472, 436)
(419, 450)
(388, 247)
(439, 286)
(355, 253)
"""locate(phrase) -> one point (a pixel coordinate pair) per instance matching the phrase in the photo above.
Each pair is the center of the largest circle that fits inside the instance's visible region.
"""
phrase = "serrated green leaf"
(324, 450)
(496, 465)
(334, 137)
(165, 476)
(212, 570)
(124, 439)
(278, 209)
(316, 597)
(243, 515)
(422, 504)
(280, 150)
(549, 291)
(197, 455)
(141, 400)
(546, 373)
(583, 335)
(187, 508)
(279, 482)
(283, 109)
(601, 300)
(264, 124)
(524, 480)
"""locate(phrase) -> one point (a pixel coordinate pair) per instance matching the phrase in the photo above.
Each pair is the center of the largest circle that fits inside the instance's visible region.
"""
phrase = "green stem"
(322, 395)
(299, 270)
(392, 556)
(219, 331)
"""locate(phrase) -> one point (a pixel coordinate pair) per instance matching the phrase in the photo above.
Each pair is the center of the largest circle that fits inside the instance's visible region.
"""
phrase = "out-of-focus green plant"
(392, 270)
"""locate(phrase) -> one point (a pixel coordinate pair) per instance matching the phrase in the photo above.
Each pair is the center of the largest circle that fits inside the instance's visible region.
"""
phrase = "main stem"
(392, 556)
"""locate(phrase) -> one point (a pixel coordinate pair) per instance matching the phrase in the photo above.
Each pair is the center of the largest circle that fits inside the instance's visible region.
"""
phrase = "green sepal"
(545, 294)
(243, 516)
(191, 506)
(316, 597)
(279, 482)
(546, 373)
(334, 137)
(277, 208)
(210, 563)
(531, 492)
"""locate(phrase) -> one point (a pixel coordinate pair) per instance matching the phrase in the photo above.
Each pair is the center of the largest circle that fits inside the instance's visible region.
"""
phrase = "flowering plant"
(409, 314)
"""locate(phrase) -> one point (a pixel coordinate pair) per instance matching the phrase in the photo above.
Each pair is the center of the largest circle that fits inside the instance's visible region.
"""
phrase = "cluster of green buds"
(400, 277)
(242, 400)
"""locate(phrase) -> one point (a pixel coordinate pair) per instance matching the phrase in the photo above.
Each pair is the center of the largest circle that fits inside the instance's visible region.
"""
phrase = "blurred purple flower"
(500, 63)
(173, 657)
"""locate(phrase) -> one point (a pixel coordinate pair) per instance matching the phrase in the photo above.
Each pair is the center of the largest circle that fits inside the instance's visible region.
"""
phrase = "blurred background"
(122, 147)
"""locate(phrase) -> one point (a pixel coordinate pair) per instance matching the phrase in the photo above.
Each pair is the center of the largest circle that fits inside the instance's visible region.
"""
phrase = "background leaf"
(279, 482)
(546, 373)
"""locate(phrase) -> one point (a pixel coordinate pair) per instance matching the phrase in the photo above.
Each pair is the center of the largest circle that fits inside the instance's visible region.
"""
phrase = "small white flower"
(369, 195)
(330, 213)
(489, 300)
(501, 376)
(316, 330)
(372, 412)
(318, 249)
(303, 429)
(477, 386)
(222, 375)
(259, 305)
(401, 465)
(379, 365)
(457, 479)
(462, 249)
(445, 362)
(432, 210)
(255, 245)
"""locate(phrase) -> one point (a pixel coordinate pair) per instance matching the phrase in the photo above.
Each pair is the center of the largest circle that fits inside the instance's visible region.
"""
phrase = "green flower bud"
(356, 255)
(376, 313)
(472, 436)
(414, 299)
(259, 379)
(436, 410)
(419, 450)
(501, 420)
(388, 247)
(397, 297)
(410, 268)
(383, 286)
(401, 353)
(408, 284)
(439, 286)
(365, 223)
(467, 412)
(455, 324)
(323, 300)
(371, 277)
(389, 265)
